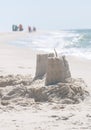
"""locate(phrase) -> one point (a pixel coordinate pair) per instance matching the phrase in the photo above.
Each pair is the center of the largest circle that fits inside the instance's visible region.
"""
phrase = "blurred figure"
(34, 29)
(14, 27)
(29, 29)
(20, 27)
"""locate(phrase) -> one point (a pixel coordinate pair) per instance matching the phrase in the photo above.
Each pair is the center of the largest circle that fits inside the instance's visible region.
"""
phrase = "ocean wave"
(68, 42)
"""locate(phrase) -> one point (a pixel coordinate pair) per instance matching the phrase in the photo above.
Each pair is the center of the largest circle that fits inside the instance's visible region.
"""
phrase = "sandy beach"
(40, 115)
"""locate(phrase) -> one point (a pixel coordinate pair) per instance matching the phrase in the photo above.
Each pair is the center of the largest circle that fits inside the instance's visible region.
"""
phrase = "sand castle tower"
(41, 64)
(56, 68)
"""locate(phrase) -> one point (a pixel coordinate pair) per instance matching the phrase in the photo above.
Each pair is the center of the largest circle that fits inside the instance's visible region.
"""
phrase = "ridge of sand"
(40, 116)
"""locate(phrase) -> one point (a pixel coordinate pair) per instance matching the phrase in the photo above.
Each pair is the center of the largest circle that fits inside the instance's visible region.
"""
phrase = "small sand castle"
(56, 68)
(52, 83)
(56, 80)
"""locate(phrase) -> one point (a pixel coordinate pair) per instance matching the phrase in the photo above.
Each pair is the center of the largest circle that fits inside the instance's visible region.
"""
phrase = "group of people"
(16, 28)
(20, 28)
(31, 29)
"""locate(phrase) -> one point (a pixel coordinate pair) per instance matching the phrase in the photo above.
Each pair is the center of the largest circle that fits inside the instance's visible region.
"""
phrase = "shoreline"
(22, 60)
(25, 58)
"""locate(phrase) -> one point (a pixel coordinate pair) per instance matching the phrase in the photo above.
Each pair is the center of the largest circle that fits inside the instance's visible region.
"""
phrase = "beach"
(17, 60)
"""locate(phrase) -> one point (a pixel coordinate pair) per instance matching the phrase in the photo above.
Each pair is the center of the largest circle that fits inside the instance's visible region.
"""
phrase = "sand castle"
(52, 83)
(55, 68)
(56, 80)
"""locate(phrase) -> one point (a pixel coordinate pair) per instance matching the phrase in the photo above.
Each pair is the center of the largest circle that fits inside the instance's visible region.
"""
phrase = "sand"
(19, 112)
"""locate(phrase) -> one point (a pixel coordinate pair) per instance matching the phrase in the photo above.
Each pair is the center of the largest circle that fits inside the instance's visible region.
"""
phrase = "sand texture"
(27, 102)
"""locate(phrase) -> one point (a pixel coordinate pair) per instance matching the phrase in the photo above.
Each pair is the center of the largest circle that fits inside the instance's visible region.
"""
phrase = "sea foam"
(67, 42)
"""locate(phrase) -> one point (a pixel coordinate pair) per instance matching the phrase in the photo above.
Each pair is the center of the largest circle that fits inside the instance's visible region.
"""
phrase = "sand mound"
(55, 85)
(73, 91)
(22, 90)
(10, 80)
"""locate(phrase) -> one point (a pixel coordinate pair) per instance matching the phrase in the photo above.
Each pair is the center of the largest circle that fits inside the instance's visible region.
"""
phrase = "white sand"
(80, 67)
(15, 60)
(41, 116)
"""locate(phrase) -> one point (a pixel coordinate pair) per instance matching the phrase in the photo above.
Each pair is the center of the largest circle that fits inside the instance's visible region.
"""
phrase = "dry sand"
(24, 113)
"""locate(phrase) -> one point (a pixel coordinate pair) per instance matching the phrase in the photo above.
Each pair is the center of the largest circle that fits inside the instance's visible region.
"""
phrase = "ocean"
(67, 42)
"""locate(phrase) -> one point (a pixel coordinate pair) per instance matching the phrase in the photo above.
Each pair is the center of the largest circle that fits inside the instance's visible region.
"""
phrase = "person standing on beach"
(14, 27)
(34, 29)
(29, 29)
(20, 27)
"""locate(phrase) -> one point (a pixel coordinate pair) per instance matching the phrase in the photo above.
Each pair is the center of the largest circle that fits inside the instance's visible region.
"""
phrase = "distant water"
(68, 42)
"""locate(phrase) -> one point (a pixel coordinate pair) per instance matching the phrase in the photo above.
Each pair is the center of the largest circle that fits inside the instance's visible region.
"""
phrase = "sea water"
(66, 42)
